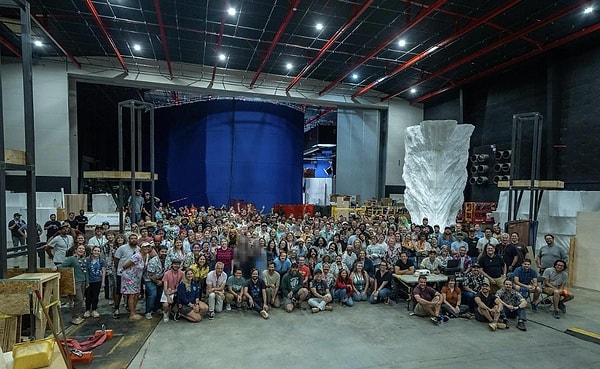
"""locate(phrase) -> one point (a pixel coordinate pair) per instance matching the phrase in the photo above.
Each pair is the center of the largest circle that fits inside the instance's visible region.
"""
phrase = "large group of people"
(196, 262)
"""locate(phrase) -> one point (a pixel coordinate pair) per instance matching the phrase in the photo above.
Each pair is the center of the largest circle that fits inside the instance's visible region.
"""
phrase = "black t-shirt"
(472, 251)
(54, 225)
(15, 231)
(404, 266)
(492, 266)
(81, 220)
(255, 289)
(382, 278)
(489, 301)
(319, 286)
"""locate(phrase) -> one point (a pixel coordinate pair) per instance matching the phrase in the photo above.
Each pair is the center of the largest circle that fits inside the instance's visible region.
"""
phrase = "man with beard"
(170, 281)
(153, 281)
(272, 280)
(122, 255)
(292, 290)
(255, 292)
(58, 246)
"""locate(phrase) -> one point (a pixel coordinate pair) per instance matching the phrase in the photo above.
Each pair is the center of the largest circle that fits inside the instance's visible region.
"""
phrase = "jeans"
(469, 299)
(91, 295)
(317, 302)
(384, 293)
(18, 241)
(153, 291)
(519, 313)
(342, 295)
(360, 296)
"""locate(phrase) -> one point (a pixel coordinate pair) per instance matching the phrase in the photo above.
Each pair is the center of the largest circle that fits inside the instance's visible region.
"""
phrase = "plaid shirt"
(511, 297)
(474, 281)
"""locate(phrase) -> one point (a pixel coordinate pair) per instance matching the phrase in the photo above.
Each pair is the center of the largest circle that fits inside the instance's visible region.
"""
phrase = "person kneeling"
(188, 299)
(429, 301)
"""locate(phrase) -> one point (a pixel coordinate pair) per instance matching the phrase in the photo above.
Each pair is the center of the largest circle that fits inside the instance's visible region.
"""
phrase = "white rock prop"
(435, 170)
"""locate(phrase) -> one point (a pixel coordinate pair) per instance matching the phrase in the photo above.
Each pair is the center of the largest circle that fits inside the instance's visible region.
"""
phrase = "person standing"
(131, 277)
(18, 230)
(121, 256)
(135, 206)
(82, 221)
(549, 253)
(59, 245)
(79, 264)
(51, 227)
(96, 270)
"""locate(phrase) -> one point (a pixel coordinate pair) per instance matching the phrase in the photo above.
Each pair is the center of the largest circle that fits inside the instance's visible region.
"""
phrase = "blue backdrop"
(214, 151)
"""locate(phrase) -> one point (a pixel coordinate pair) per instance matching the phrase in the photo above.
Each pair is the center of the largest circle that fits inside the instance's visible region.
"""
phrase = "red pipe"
(217, 49)
(444, 43)
(489, 48)
(106, 34)
(55, 41)
(532, 53)
(163, 36)
(278, 35)
(330, 42)
(421, 16)
(322, 114)
(10, 47)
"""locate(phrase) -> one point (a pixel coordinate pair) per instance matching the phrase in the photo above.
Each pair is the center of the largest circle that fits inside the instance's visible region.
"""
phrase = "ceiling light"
(319, 26)
(354, 76)
(222, 57)
(588, 10)
(434, 48)
(402, 42)
(289, 65)
(38, 43)
(231, 11)
(413, 90)
(137, 47)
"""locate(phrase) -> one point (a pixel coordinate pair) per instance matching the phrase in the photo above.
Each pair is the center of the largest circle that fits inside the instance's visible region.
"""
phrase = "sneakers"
(211, 315)
(148, 316)
(556, 314)
(521, 326)
(444, 318)
(434, 320)
(116, 314)
(95, 314)
(86, 314)
(329, 307)
(504, 320)
(465, 316)
(315, 310)
(165, 317)
(492, 326)
(501, 326)
(228, 307)
(76, 321)
(534, 307)
(265, 315)
(562, 307)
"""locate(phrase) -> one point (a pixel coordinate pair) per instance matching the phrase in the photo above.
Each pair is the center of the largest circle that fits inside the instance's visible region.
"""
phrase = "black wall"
(563, 87)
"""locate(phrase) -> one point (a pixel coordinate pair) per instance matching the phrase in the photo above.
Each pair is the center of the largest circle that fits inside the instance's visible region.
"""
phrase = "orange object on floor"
(81, 357)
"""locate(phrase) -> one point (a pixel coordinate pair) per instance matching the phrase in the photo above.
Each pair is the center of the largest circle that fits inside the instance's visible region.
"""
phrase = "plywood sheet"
(117, 175)
(75, 202)
(525, 183)
(14, 157)
(66, 282)
(586, 257)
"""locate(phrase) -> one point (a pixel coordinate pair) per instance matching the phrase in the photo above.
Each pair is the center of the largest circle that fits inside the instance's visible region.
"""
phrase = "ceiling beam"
(10, 47)
(41, 26)
(163, 37)
(508, 63)
(110, 40)
(330, 42)
(282, 27)
(217, 49)
(473, 25)
(320, 115)
(421, 16)
(489, 48)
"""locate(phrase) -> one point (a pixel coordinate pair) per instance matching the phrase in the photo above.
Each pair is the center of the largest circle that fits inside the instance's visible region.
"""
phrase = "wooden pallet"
(526, 183)
(117, 175)
(14, 157)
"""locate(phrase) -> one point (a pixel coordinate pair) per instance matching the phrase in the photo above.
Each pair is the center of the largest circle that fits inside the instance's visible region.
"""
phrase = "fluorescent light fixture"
(222, 57)
(137, 47)
(402, 43)
(588, 10)
(354, 76)
(231, 11)
(38, 43)
(319, 26)
(413, 90)
(289, 66)
(434, 48)
(380, 80)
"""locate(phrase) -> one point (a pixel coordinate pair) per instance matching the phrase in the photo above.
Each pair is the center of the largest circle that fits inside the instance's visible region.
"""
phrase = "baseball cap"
(485, 281)
(17, 215)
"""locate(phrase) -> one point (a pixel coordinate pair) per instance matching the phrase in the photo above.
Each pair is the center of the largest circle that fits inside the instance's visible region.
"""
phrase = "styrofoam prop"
(435, 171)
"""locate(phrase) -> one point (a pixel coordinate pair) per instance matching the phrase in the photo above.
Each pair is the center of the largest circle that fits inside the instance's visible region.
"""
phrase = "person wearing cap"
(170, 281)
(18, 230)
(58, 246)
(131, 277)
(471, 286)
(149, 205)
(291, 289)
(489, 307)
(105, 226)
(135, 205)
(99, 239)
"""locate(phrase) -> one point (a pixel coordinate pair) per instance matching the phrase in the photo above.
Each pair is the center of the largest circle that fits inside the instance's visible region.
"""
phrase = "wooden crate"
(14, 157)
(9, 334)
(66, 282)
(15, 298)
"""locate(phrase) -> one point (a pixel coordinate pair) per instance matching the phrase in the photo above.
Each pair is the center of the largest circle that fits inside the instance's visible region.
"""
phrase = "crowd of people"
(196, 262)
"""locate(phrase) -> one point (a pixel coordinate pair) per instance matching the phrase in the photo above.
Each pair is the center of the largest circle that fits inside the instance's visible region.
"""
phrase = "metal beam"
(420, 17)
(330, 42)
(163, 36)
(106, 34)
(512, 61)
(494, 13)
(219, 40)
(489, 48)
(320, 115)
(55, 41)
(10, 47)
(273, 43)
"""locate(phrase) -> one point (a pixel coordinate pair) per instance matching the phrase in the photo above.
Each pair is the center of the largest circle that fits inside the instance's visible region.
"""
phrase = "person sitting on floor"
(291, 289)
(452, 300)
(489, 307)
(188, 299)
(513, 305)
(429, 301)
(321, 296)
(255, 291)
(344, 288)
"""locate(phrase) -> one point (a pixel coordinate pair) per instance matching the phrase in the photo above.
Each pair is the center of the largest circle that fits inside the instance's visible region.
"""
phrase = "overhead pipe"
(106, 34)
(500, 43)
(329, 43)
(513, 61)
(474, 158)
(474, 169)
(55, 41)
(163, 36)
(420, 17)
(322, 114)
(10, 47)
(476, 24)
(217, 49)
(498, 155)
(275, 40)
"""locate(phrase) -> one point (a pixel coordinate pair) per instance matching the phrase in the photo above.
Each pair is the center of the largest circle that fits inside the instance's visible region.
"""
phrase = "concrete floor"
(369, 336)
